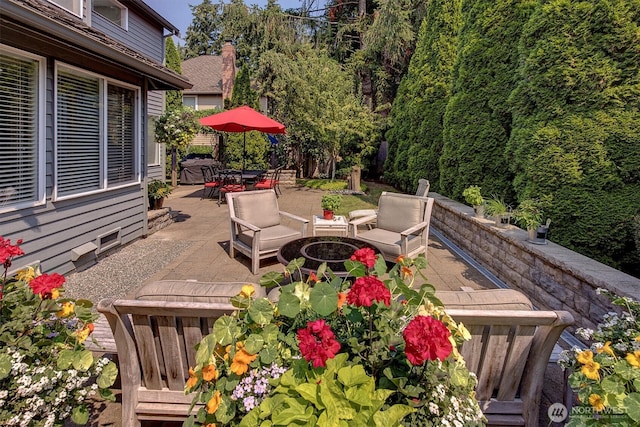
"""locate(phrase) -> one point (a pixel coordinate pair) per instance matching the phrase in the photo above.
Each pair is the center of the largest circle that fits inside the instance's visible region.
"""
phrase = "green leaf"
(261, 311)
(80, 415)
(355, 268)
(271, 279)
(254, 343)
(65, 359)
(5, 365)
(632, 403)
(225, 330)
(352, 376)
(309, 392)
(288, 305)
(82, 360)
(268, 355)
(206, 348)
(380, 267)
(612, 385)
(392, 416)
(323, 299)
(189, 422)
(107, 394)
(108, 375)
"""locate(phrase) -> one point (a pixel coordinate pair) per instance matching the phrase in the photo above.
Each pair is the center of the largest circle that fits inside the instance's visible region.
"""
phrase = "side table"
(337, 224)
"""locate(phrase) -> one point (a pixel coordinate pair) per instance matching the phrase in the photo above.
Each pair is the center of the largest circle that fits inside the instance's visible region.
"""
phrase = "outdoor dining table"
(247, 176)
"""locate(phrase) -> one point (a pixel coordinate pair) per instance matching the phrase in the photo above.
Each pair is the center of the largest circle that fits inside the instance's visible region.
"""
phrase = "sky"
(178, 12)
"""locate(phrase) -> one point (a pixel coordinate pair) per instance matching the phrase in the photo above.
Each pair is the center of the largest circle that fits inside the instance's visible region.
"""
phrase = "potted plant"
(157, 191)
(473, 196)
(529, 215)
(330, 203)
(499, 210)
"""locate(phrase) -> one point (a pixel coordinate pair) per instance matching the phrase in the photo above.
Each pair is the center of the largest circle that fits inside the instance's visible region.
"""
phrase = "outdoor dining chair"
(211, 181)
(270, 181)
(230, 182)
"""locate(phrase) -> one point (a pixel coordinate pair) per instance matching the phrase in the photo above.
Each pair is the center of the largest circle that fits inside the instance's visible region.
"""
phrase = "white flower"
(433, 408)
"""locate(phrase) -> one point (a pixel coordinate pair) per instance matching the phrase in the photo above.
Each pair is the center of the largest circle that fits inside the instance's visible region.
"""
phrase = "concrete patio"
(196, 249)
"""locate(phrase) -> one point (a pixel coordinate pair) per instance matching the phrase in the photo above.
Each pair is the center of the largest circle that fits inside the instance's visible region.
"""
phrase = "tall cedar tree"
(415, 136)
(477, 122)
(575, 134)
(243, 94)
(174, 97)
(203, 34)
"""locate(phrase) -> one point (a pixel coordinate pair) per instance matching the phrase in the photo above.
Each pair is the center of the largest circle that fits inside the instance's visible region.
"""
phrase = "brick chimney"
(228, 70)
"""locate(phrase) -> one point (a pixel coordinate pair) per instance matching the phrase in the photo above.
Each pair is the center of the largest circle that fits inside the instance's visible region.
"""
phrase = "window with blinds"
(19, 130)
(121, 141)
(77, 134)
(96, 135)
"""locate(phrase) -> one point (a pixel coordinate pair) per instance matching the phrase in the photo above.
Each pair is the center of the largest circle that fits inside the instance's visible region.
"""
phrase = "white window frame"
(104, 83)
(77, 4)
(40, 138)
(124, 14)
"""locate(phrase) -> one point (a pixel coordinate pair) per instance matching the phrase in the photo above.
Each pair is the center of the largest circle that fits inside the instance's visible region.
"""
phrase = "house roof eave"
(85, 38)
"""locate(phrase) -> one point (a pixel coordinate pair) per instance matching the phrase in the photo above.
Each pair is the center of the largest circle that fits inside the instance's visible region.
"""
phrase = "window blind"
(78, 134)
(18, 130)
(120, 135)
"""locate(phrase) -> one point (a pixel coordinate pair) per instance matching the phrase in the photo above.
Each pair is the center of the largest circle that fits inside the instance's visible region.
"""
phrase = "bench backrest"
(509, 351)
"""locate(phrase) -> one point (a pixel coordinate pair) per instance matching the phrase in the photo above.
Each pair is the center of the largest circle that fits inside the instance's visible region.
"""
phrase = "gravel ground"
(119, 274)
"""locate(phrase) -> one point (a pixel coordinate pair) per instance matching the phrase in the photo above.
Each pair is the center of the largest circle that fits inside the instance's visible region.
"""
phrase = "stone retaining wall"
(158, 219)
(552, 276)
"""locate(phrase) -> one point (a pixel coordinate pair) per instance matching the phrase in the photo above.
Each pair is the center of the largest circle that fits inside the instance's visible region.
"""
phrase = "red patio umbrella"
(242, 119)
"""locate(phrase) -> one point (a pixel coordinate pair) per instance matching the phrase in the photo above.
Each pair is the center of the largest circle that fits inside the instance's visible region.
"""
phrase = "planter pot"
(327, 214)
(502, 220)
(479, 210)
(538, 236)
(156, 203)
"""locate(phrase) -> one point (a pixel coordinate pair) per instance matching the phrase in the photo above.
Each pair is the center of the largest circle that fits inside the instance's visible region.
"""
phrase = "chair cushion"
(388, 241)
(193, 291)
(399, 213)
(271, 238)
(486, 299)
(259, 209)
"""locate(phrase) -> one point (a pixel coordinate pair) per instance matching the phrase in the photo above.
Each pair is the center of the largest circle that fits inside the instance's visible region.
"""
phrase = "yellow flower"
(67, 308)
(596, 402)
(585, 356)
(591, 370)
(637, 338)
(241, 360)
(55, 293)
(247, 291)
(214, 402)
(83, 333)
(26, 274)
(192, 381)
(634, 359)
(606, 348)
(209, 373)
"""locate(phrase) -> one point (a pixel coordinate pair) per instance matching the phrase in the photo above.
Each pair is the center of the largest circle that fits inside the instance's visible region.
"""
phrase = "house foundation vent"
(109, 240)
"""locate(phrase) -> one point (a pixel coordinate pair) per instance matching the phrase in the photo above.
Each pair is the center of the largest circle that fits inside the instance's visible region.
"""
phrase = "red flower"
(426, 338)
(9, 251)
(366, 256)
(367, 289)
(44, 284)
(317, 343)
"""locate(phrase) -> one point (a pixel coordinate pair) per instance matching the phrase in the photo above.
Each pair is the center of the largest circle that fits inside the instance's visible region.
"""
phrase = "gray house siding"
(156, 106)
(66, 234)
(140, 35)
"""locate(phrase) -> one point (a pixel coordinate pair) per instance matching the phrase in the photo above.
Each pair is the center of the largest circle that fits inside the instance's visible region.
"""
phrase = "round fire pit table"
(334, 250)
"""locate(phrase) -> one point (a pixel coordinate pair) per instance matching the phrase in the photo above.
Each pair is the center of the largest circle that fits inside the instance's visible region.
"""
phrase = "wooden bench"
(156, 346)
(509, 351)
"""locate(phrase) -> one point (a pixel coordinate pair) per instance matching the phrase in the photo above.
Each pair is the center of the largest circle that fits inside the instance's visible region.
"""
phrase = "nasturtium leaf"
(632, 403)
(261, 311)
(107, 394)
(225, 329)
(5, 365)
(206, 348)
(355, 268)
(270, 333)
(323, 299)
(380, 267)
(612, 385)
(288, 305)
(65, 359)
(80, 415)
(82, 360)
(254, 343)
(268, 355)
(226, 410)
(271, 279)
(108, 375)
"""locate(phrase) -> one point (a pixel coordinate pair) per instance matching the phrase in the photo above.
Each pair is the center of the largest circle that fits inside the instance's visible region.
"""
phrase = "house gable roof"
(205, 73)
(44, 20)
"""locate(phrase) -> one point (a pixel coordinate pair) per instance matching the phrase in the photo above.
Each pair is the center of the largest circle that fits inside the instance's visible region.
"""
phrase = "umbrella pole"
(244, 150)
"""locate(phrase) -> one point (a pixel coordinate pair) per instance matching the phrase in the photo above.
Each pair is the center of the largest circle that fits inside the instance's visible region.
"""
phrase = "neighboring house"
(80, 84)
(212, 77)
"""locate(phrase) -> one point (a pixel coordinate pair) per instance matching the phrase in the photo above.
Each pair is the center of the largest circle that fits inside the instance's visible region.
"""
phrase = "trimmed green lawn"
(351, 202)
